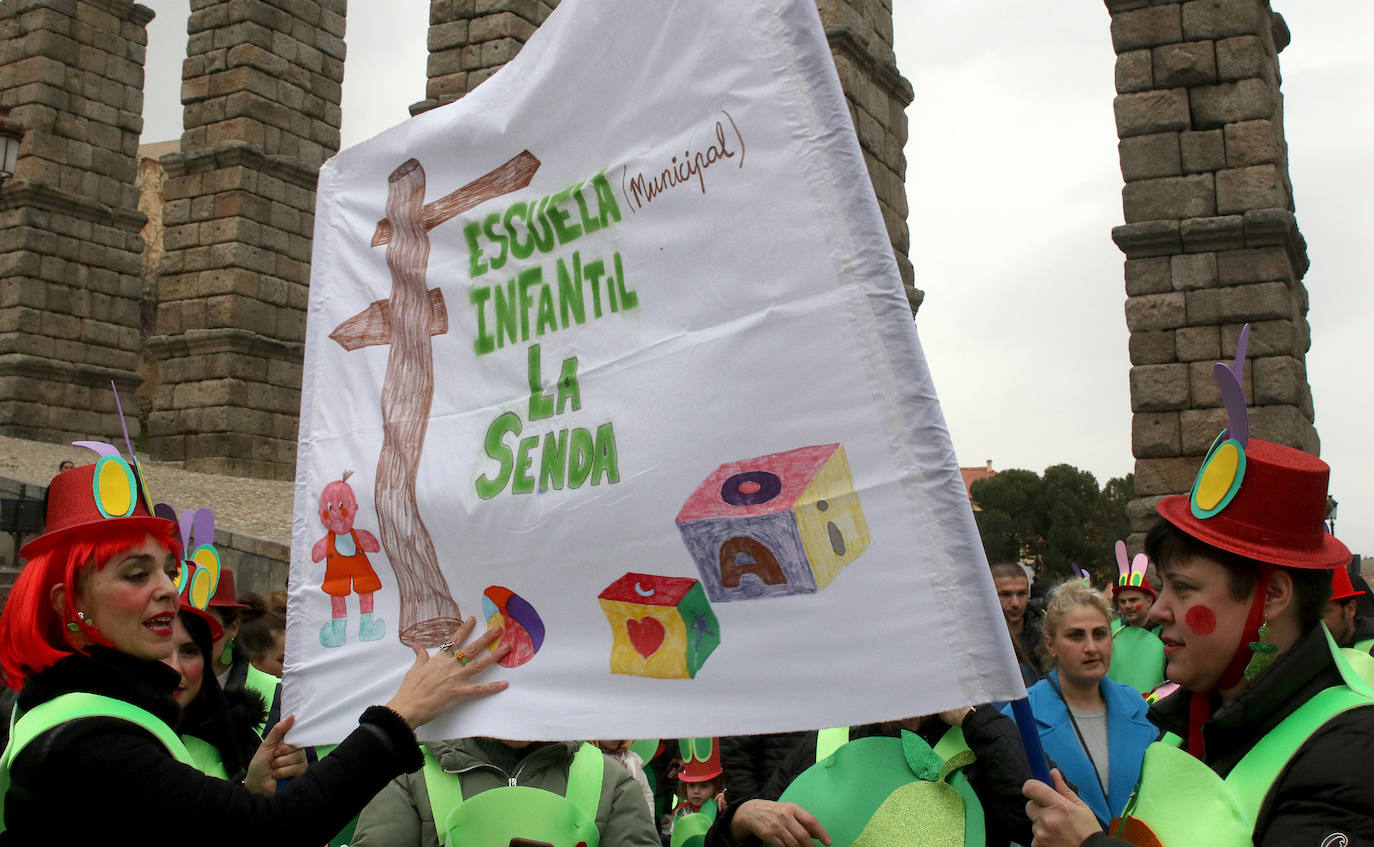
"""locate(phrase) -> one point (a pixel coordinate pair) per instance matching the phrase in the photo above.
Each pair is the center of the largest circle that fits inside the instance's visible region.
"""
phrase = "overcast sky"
(1014, 187)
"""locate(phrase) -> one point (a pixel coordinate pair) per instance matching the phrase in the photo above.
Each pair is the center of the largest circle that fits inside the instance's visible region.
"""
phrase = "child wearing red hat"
(1268, 736)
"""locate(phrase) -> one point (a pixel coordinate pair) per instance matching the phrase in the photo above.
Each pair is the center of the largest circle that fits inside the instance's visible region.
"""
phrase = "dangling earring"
(1264, 653)
(77, 635)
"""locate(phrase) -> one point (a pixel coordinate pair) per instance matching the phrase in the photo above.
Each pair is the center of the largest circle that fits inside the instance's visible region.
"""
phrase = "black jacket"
(94, 780)
(996, 777)
(749, 762)
(1325, 789)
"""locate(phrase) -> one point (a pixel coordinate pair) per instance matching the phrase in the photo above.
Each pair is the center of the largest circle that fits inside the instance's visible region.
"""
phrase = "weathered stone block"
(1188, 271)
(1147, 27)
(1257, 302)
(1159, 388)
(1155, 312)
(1284, 425)
(1134, 72)
(1198, 428)
(1202, 151)
(1251, 143)
(1241, 57)
(1169, 198)
(1205, 235)
(1198, 344)
(1278, 379)
(1152, 348)
(1255, 187)
(1155, 435)
(1165, 476)
(1152, 111)
(1224, 18)
(1150, 156)
(1189, 63)
(1215, 106)
(1263, 264)
(1268, 338)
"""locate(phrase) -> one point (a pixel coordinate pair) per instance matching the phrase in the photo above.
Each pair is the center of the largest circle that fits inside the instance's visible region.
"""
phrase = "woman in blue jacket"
(1094, 729)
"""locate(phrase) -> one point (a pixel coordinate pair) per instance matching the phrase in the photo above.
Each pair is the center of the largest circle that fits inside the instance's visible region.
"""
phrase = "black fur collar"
(143, 683)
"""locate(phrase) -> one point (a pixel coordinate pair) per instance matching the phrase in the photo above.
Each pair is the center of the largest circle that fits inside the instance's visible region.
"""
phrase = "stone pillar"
(1210, 237)
(70, 248)
(469, 42)
(261, 87)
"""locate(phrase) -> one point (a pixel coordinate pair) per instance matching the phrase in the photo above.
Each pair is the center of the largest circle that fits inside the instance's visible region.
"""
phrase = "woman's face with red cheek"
(187, 660)
(1202, 623)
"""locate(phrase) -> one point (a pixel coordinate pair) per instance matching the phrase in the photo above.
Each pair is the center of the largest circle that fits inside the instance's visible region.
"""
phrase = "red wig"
(32, 634)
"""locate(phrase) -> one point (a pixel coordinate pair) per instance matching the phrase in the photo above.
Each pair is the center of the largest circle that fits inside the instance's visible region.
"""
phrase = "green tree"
(1054, 519)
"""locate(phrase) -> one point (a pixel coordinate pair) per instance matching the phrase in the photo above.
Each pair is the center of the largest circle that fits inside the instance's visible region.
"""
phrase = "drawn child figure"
(346, 567)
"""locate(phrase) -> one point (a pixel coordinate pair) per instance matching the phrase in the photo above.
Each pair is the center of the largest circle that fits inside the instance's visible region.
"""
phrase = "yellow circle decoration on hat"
(1219, 479)
(115, 488)
(206, 578)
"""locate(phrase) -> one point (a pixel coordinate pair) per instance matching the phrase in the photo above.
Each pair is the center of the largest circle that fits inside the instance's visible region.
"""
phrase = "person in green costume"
(1138, 659)
(218, 728)
(857, 788)
(488, 791)
(1269, 737)
(93, 755)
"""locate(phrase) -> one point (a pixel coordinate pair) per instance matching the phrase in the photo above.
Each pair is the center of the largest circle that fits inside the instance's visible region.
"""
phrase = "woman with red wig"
(1268, 739)
(95, 752)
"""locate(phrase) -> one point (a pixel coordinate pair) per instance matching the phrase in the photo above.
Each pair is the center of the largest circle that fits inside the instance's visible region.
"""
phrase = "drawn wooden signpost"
(407, 320)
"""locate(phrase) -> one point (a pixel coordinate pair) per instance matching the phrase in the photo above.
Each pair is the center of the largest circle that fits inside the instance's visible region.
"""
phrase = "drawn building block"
(785, 523)
(661, 626)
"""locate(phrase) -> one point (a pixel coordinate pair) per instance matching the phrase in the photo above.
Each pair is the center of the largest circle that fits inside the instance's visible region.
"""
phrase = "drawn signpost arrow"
(407, 321)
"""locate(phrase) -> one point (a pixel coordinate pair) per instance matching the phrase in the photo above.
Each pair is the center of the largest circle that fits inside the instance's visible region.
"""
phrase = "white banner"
(617, 355)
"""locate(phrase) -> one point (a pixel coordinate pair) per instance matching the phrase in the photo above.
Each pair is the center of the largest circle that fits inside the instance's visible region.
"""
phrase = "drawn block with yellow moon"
(785, 523)
(661, 626)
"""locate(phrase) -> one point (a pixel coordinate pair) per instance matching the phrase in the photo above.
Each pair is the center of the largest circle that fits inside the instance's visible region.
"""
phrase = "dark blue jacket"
(1129, 732)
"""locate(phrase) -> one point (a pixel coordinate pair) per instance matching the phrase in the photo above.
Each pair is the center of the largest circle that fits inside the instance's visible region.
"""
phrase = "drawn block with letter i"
(785, 523)
(661, 626)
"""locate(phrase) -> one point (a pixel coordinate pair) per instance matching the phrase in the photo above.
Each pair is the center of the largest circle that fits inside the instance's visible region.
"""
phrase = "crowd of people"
(1226, 701)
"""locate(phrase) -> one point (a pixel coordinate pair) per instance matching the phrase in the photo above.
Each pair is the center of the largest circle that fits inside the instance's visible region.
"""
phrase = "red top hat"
(1341, 586)
(1143, 586)
(89, 497)
(700, 759)
(1273, 511)
(216, 628)
(226, 596)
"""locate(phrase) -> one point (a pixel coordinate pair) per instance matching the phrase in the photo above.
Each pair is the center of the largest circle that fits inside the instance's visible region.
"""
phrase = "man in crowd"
(1027, 624)
(1347, 627)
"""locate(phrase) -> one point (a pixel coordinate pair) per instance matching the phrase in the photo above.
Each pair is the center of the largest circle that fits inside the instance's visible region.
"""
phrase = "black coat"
(96, 780)
(996, 777)
(749, 762)
(1325, 789)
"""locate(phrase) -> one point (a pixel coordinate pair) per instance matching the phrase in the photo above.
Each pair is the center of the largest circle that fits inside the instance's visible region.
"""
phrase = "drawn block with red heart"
(661, 626)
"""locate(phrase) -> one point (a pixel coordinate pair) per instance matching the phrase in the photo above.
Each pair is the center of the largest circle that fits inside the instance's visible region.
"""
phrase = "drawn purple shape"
(768, 486)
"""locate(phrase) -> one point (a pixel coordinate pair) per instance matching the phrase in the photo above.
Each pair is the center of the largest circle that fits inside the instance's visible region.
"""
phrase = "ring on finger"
(462, 657)
(446, 646)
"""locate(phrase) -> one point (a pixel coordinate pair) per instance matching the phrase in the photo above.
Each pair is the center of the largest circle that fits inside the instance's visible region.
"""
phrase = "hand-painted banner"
(613, 354)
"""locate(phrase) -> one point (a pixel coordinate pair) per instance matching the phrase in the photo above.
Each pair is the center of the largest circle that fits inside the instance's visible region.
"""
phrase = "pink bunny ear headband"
(1132, 572)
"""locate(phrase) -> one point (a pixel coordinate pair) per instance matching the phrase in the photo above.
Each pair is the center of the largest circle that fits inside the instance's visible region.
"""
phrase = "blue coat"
(1128, 734)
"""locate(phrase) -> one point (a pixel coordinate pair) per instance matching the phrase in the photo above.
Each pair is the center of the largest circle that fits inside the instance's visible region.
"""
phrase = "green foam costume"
(1137, 659)
(880, 791)
(498, 816)
(690, 830)
(1180, 801)
(38, 720)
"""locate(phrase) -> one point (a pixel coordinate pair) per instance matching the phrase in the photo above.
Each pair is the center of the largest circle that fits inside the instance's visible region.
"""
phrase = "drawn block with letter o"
(785, 523)
(661, 626)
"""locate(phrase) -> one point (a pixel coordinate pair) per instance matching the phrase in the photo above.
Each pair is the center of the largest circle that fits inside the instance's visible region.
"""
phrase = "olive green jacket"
(400, 814)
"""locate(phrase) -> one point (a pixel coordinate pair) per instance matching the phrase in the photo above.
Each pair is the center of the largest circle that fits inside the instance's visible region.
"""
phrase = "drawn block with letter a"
(785, 523)
(661, 626)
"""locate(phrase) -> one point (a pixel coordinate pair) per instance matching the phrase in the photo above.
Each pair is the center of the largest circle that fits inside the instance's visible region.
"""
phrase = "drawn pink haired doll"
(346, 568)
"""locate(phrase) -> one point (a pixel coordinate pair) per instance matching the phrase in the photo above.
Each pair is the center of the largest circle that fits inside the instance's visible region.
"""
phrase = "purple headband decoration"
(1083, 576)
(1223, 469)
(117, 483)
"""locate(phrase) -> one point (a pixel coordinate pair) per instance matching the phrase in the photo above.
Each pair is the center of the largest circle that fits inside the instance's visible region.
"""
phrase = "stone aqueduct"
(195, 304)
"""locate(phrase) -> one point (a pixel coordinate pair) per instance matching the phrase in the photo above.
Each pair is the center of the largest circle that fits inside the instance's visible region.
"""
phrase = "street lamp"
(11, 133)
